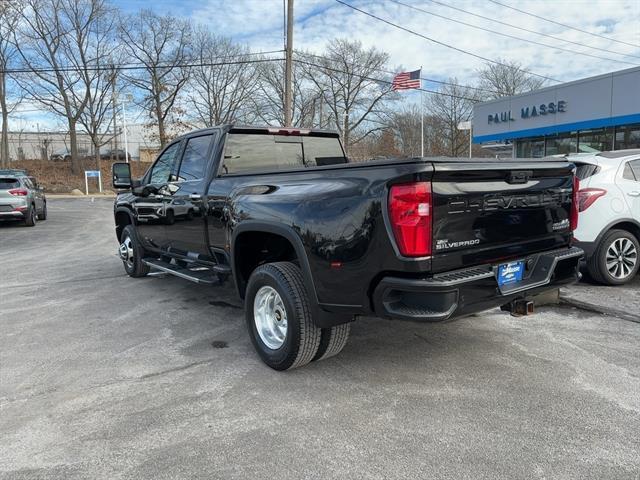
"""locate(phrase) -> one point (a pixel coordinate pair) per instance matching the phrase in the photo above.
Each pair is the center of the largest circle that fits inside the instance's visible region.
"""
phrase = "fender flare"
(321, 318)
(613, 224)
(123, 209)
(285, 232)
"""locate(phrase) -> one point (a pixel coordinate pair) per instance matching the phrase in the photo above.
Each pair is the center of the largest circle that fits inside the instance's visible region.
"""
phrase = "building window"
(562, 144)
(599, 140)
(627, 137)
(530, 148)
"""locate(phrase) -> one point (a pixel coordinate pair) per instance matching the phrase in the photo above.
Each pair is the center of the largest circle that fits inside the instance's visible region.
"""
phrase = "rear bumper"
(454, 294)
(13, 211)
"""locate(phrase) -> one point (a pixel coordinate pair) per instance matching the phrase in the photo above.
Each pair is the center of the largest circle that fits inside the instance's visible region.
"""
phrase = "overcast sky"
(259, 23)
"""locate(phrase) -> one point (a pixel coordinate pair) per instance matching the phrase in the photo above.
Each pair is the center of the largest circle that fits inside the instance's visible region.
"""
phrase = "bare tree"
(347, 78)
(452, 105)
(406, 124)
(161, 44)
(269, 97)
(8, 20)
(57, 41)
(220, 93)
(95, 118)
(507, 78)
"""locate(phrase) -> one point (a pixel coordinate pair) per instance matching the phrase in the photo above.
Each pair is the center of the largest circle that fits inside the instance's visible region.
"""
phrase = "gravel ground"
(104, 376)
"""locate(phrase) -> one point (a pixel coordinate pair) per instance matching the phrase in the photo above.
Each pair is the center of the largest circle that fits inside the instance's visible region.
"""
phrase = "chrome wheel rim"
(126, 252)
(270, 317)
(621, 259)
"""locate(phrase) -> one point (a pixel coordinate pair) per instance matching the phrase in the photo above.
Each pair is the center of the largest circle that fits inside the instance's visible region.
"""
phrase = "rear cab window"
(267, 152)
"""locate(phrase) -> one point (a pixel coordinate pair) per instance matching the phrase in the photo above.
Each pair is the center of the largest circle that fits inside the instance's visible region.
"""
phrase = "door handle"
(195, 196)
(635, 193)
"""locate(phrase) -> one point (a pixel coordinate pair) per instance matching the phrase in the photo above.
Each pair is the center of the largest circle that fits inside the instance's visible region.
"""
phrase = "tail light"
(573, 218)
(410, 212)
(19, 192)
(587, 196)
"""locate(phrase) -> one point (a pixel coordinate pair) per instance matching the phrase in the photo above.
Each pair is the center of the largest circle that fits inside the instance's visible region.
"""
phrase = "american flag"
(406, 80)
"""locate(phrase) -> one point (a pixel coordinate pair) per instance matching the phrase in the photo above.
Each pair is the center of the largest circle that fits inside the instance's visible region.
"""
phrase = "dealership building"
(595, 114)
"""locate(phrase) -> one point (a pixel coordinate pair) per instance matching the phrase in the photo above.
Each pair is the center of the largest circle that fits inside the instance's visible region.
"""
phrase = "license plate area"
(510, 273)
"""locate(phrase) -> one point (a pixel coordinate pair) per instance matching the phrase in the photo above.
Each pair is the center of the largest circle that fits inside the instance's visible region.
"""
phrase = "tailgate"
(495, 210)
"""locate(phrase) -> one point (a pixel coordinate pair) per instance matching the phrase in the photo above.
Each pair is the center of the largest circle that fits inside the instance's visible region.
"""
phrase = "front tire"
(616, 260)
(131, 253)
(278, 316)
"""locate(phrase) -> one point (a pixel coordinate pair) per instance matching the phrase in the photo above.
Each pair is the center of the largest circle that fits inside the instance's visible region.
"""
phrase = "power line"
(486, 59)
(109, 68)
(513, 36)
(564, 25)
(380, 80)
(391, 72)
(500, 22)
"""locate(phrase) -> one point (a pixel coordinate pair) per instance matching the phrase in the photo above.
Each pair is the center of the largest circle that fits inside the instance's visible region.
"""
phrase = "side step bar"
(197, 274)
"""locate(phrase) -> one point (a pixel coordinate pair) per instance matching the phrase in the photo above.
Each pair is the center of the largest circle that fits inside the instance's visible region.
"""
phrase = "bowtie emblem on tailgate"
(519, 176)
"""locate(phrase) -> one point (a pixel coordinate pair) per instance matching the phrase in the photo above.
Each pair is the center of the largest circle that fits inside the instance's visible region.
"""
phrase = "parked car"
(65, 155)
(313, 241)
(60, 155)
(22, 199)
(118, 154)
(609, 219)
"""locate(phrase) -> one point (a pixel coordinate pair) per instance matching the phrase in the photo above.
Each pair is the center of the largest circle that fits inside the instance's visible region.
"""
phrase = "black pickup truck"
(313, 241)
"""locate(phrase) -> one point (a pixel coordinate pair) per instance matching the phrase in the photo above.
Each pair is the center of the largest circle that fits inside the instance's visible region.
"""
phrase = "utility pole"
(288, 73)
(115, 112)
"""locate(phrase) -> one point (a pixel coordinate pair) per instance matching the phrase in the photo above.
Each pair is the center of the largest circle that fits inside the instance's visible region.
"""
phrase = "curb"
(591, 307)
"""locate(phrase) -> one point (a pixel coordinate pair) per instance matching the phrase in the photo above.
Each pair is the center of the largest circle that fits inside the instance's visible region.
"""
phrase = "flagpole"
(421, 116)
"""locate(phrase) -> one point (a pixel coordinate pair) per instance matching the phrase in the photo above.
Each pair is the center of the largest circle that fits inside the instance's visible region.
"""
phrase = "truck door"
(185, 211)
(150, 211)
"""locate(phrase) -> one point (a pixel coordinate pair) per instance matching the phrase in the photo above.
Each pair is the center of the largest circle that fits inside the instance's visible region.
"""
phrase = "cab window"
(162, 170)
(195, 158)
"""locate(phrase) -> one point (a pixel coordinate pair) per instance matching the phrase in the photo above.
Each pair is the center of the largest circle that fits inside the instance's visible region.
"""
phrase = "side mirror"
(121, 175)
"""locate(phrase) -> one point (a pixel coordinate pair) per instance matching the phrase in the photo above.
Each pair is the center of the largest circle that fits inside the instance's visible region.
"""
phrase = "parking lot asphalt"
(105, 376)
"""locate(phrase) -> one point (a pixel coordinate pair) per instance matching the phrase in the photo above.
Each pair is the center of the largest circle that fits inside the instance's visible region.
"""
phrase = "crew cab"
(313, 241)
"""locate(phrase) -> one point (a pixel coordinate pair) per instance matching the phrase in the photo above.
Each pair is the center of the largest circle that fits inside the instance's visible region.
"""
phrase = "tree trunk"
(96, 149)
(73, 141)
(345, 133)
(160, 120)
(4, 140)
(4, 137)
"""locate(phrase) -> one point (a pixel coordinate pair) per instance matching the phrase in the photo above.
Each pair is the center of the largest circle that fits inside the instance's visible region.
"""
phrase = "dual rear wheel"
(280, 323)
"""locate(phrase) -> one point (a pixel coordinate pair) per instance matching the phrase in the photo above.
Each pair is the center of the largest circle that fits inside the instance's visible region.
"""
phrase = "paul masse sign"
(550, 108)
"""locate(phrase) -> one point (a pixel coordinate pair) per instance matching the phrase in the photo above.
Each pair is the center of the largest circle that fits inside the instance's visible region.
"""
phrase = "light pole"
(129, 98)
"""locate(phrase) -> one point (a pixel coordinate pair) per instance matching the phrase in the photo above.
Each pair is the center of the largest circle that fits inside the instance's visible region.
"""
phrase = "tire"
(132, 253)
(30, 220)
(297, 340)
(622, 268)
(332, 341)
(43, 215)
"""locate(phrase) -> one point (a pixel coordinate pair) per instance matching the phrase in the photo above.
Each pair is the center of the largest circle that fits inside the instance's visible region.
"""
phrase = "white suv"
(609, 218)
